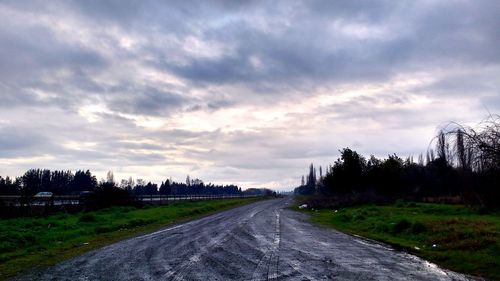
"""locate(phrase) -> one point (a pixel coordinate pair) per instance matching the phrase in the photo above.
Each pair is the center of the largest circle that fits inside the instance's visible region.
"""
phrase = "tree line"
(69, 183)
(464, 163)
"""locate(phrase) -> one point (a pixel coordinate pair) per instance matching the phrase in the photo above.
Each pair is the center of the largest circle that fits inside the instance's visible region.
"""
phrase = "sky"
(243, 92)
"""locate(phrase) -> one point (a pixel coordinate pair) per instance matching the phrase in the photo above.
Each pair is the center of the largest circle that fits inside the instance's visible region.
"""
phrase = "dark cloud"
(29, 51)
(462, 84)
(358, 10)
(19, 142)
(219, 103)
(148, 101)
(298, 54)
(437, 35)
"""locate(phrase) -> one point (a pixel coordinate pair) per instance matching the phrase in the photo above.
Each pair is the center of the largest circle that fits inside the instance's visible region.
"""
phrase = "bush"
(108, 194)
(401, 226)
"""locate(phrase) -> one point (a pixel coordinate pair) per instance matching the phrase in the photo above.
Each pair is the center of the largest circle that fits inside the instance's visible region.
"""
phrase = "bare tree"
(474, 148)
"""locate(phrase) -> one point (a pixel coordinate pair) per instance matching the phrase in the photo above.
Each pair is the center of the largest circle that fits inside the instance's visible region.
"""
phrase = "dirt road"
(260, 241)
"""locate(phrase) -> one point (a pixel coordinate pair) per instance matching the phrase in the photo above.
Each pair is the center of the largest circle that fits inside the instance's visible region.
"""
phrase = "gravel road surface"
(260, 241)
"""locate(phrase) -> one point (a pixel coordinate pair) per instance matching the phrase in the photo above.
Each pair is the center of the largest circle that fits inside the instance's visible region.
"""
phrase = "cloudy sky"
(247, 93)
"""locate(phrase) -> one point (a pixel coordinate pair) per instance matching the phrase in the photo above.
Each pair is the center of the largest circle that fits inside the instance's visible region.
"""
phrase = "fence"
(165, 199)
(75, 200)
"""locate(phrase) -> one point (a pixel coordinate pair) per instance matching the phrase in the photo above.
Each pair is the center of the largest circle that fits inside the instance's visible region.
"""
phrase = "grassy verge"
(27, 243)
(455, 237)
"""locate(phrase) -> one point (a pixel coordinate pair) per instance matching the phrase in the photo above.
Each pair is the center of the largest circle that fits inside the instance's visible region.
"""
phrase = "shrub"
(401, 226)
(108, 194)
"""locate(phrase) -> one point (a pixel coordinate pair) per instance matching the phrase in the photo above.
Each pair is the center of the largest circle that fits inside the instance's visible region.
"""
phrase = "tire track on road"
(267, 268)
(181, 270)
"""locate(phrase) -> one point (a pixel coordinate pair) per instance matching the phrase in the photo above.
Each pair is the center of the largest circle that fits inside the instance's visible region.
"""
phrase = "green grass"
(28, 243)
(465, 241)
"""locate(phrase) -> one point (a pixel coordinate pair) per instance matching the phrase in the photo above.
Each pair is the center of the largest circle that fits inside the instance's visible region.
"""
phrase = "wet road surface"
(260, 241)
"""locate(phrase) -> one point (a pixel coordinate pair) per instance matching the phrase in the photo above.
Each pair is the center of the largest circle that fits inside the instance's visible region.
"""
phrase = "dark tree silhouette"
(464, 163)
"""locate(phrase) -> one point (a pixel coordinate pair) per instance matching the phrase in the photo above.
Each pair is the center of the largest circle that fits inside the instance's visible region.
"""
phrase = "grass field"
(455, 237)
(27, 243)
